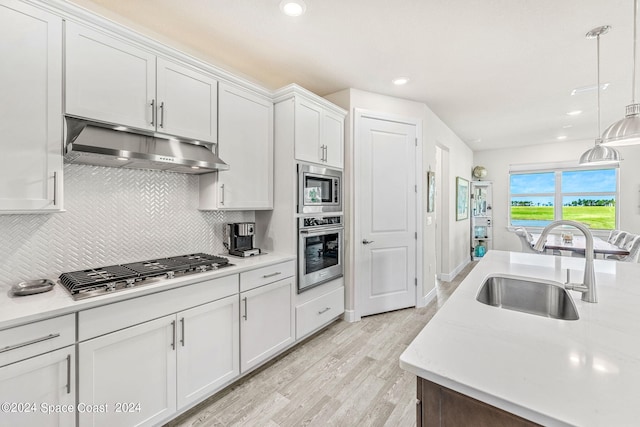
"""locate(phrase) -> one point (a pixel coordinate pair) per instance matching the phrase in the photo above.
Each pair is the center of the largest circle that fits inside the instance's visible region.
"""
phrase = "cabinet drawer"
(36, 338)
(120, 315)
(315, 313)
(262, 276)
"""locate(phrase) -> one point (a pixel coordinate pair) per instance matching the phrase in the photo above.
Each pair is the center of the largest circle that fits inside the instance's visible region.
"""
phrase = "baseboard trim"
(450, 276)
(430, 296)
(350, 316)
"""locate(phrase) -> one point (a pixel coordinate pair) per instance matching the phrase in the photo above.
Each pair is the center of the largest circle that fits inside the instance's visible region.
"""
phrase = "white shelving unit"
(481, 218)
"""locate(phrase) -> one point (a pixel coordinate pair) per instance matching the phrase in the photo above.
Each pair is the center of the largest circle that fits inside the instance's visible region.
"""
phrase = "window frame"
(558, 195)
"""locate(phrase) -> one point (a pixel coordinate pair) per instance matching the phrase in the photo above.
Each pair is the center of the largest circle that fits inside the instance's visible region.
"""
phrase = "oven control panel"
(320, 221)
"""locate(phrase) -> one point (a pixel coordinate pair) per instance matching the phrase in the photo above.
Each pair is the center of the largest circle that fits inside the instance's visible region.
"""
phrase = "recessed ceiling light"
(400, 81)
(293, 7)
(120, 128)
(574, 113)
(195, 167)
(122, 159)
(590, 88)
(567, 126)
(561, 137)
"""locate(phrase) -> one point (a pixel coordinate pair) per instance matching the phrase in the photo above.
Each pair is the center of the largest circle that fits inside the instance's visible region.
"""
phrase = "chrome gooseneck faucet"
(588, 285)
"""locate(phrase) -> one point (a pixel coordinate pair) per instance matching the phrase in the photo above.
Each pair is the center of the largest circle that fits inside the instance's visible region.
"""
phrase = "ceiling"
(498, 72)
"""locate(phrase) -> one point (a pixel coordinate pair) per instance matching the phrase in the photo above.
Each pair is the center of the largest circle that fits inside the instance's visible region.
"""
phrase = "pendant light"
(600, 154)
(627, 130)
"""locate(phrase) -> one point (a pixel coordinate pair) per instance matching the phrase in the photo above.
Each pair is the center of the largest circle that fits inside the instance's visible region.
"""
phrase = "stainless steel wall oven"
(320, 250)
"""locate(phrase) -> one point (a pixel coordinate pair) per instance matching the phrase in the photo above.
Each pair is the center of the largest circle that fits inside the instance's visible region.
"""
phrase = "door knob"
(366, 242)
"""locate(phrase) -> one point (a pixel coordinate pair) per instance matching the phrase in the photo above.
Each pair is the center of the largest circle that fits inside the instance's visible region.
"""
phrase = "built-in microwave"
(319, 189)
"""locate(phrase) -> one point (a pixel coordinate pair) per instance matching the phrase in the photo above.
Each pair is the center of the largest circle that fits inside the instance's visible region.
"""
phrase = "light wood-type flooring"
(345, 375)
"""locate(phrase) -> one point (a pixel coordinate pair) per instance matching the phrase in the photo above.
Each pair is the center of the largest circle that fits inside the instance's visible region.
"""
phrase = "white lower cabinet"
(135, 367)
(145, 373)
(208, 348)
(267, 322)
(314, 314)
(39, 391)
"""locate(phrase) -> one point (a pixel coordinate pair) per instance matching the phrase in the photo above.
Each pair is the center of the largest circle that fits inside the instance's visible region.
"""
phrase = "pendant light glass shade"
(627, 130)
(599, 155)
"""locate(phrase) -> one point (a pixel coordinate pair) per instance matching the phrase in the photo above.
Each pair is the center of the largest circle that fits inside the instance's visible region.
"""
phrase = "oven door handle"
(320, 232)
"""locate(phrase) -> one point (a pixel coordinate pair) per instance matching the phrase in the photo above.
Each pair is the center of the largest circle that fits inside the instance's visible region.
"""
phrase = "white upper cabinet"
(30, 109)
(308, 124)
(108, 79)
(111, 80)
(245, 143)
(187, 101)
(333, 138)
(319, 134)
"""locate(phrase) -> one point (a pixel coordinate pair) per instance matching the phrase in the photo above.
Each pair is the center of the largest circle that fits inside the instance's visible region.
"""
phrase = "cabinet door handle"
(182, 327)
(245, 308)
(326, 152)
(162, 114)
(26, 343)
(55, 188)
(325, 310)
(153, 112)
(222, 194)
(173, 340)
(266, 276)
(68, 374)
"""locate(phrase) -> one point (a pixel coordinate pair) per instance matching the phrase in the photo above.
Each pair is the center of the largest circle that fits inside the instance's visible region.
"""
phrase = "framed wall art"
(462, 199)
(431, 191)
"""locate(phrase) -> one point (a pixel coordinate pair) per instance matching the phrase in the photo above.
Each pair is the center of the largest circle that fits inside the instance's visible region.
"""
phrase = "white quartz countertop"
(553, 372)
(16, 310)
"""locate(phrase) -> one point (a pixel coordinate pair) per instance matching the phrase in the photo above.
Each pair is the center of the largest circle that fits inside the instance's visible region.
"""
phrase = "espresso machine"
(238, 239)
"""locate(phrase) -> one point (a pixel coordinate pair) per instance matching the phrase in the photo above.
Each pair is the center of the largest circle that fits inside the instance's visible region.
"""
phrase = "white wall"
(460, 164)
(497, 163)
(433, 131)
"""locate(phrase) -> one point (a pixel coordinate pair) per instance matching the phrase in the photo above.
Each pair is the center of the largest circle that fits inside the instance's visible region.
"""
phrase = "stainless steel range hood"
(102, 144)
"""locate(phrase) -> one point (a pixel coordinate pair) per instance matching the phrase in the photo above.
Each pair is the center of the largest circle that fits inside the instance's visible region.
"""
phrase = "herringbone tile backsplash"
(113, 216)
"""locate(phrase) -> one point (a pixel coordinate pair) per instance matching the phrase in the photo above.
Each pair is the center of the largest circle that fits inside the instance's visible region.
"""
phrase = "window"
(588, 196)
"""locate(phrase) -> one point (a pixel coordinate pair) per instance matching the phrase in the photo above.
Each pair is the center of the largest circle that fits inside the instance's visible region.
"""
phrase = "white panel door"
(308, 119)
(266, 322)
(333, 139)
(108, 79)
(246, 145)
(187, 102)
(208, 348)
(47, 379)
(134, 365)
(386, 202)
(30, 108)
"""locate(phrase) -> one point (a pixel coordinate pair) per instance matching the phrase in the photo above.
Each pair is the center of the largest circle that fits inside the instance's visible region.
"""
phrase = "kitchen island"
(584, 372)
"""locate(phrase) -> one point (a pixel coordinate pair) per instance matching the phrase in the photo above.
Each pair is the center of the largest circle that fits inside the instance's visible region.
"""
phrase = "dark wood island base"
(440, 406)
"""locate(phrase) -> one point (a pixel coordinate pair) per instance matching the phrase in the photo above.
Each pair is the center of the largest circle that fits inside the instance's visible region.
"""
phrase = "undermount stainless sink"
(528, 296)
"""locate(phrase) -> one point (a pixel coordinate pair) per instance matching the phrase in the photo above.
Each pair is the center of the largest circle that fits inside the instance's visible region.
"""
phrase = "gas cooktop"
(99, 281)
